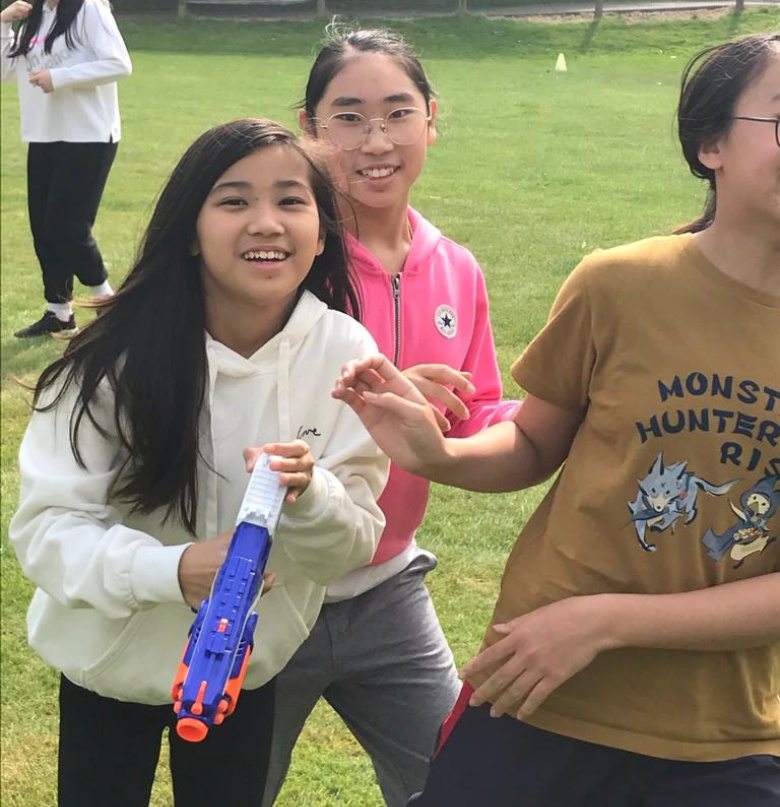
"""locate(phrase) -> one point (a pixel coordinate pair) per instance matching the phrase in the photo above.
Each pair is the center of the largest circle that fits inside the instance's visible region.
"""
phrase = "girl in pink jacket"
(377, 653)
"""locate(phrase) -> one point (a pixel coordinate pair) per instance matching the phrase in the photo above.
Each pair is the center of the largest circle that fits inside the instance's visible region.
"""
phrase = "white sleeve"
(100, 36)
(7, 43)
(335, 525)
(68, 536)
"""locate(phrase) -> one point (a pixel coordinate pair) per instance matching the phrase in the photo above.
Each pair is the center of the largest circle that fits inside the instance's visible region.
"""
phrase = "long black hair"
(148, 341)
(711, 86)
(341, 43)
(66, 13)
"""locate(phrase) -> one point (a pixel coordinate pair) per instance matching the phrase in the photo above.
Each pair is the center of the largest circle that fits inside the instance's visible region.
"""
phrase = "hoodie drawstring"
(283, 391)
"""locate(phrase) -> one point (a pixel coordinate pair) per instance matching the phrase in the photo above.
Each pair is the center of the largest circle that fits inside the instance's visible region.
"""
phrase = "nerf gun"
(212, 669)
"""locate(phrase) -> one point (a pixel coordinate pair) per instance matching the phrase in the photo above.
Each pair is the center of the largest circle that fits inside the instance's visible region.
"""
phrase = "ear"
(303, 122)
(710, 155)
(434, 111)
(320, 243)
(195, 247)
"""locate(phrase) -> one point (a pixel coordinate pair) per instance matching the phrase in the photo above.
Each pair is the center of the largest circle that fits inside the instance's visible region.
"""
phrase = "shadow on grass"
(734, 20)
(23, 359)
(587, 38)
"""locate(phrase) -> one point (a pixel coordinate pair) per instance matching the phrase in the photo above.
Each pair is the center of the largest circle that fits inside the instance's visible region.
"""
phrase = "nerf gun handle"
(215, 659)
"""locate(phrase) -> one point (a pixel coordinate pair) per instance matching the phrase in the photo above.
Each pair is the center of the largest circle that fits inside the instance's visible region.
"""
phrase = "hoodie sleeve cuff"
(313, 502)
(154, 576)
(55, 74)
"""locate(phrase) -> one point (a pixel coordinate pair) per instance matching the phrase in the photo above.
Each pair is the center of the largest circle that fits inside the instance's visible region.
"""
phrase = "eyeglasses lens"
(349, 130)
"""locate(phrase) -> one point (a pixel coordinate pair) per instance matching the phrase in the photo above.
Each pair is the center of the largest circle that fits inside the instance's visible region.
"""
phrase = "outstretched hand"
(434, 382)
(394, 412)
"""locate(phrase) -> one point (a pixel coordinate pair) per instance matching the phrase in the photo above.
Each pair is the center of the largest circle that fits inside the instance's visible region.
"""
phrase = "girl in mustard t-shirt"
(633, 659)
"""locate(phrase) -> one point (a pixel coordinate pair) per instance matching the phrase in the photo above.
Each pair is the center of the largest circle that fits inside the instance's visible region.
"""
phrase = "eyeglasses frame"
(759, 119)
(367, 125)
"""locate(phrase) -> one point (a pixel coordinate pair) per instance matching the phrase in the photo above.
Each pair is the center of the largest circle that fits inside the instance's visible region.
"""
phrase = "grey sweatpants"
(382, 662)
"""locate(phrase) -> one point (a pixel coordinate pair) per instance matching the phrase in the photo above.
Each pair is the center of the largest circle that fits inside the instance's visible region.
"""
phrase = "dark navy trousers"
(502, 762)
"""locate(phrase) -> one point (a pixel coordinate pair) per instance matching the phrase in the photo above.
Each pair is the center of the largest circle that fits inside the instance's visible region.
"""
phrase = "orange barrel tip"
(192, 730)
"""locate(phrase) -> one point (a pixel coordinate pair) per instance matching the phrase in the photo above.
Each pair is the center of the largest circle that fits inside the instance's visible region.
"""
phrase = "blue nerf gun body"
(212, 669)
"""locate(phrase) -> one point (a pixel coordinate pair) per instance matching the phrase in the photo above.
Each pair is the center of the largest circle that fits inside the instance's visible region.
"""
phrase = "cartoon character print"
(751, 533)
(667, 494)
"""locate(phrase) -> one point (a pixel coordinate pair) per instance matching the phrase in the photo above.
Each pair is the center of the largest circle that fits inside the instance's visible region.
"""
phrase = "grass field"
(533, 170)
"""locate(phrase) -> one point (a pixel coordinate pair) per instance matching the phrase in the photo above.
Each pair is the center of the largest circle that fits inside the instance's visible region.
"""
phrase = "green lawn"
(533, 169)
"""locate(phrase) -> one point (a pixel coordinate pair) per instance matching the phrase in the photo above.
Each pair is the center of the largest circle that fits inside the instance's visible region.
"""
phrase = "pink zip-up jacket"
(435, 311)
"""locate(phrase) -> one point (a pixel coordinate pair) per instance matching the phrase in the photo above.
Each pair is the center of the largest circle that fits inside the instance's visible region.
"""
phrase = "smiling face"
(379, 173)
(258, 233)
(746, 160)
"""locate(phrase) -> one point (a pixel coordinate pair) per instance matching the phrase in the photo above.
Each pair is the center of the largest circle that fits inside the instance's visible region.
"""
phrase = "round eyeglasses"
(776, 122)
(350, 130)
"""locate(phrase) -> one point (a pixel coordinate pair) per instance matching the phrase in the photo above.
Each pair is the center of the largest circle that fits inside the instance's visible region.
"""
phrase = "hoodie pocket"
(141, 663)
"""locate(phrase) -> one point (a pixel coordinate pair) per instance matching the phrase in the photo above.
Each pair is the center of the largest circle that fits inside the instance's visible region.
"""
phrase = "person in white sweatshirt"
(66, 58)
(225, 336)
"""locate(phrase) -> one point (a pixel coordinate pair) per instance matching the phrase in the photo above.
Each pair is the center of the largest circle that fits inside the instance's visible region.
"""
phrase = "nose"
(377, 140)
(265, 220)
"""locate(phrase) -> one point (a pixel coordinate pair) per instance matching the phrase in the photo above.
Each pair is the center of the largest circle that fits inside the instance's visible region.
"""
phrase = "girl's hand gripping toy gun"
(212, 669)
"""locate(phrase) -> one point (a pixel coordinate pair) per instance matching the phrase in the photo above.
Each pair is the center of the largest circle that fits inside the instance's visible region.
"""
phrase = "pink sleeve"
(485, 406)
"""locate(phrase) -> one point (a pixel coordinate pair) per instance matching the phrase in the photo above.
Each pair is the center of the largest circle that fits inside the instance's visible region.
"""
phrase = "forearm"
(6, 44)
(498, 459)
(334, 526)
(731, 616)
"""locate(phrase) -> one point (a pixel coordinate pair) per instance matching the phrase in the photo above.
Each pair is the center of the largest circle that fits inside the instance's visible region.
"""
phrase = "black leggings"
(109, 751)
(65, 183)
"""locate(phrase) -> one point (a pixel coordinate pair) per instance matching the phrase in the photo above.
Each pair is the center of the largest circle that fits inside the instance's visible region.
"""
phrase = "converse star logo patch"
(446, 321)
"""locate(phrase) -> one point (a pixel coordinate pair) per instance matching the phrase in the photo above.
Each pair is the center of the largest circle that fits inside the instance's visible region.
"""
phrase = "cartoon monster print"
(751, 533)
(667, 494)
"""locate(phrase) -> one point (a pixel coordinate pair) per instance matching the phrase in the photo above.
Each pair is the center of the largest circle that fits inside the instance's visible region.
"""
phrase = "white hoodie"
(84, 106)
(108, 611)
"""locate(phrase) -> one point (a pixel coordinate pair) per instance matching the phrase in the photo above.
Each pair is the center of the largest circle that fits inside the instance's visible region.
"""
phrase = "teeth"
(264, 255)
(376, 173)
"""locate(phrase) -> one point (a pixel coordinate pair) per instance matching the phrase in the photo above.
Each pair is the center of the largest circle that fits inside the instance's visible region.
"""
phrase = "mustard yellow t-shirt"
(672, 484)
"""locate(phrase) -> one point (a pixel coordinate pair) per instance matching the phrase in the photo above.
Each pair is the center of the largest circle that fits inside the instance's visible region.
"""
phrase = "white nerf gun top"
(264, 496)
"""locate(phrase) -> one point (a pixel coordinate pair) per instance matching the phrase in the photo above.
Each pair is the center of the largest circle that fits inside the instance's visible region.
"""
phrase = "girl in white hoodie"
(225, 335)
(66, 60)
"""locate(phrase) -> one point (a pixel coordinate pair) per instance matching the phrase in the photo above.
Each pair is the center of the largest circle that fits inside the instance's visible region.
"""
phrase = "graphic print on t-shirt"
(667, 494)
(751, 532)
(742, 418)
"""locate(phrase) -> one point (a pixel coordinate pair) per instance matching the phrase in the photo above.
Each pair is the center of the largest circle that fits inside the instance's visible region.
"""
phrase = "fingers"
(444, 374)
(294, 463)
(251, 456)
(349, 396)
(536, 697)
(434, 382)
(436, 392)
(487, 658)
(441, 421)
(513, 692)
(376, 374)
(269, 578)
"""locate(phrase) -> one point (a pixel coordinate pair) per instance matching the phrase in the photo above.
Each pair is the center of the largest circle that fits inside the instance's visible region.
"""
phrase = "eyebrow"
(395, 98)
(241, 184)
